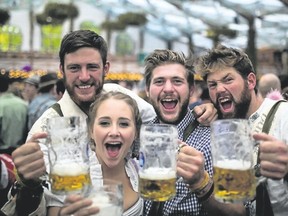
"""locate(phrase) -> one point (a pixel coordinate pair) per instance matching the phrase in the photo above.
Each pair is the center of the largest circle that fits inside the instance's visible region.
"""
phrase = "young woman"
(114, 123)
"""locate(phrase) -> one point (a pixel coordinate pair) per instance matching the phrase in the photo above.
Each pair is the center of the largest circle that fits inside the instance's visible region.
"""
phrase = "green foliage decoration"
(10, 38)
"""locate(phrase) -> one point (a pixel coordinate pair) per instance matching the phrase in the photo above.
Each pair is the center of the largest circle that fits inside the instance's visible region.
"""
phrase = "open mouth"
(226, 104)
(113, 148)
(169, 103)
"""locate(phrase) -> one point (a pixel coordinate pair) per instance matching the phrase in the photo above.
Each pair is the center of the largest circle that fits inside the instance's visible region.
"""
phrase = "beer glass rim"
(158, 125)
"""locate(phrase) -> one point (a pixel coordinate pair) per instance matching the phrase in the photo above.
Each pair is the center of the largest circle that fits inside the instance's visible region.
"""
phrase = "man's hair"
(163, 57)
(224, 57)
(82, 38)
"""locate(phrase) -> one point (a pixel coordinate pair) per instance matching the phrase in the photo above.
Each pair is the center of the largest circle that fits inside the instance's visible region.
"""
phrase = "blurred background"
(31, 31)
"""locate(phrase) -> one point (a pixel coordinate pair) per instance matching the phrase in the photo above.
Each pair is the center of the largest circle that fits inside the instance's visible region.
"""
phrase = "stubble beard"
(175, 121)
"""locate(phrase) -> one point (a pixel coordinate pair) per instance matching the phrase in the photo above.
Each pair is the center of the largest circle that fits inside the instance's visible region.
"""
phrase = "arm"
(190, 165)
(27, 193)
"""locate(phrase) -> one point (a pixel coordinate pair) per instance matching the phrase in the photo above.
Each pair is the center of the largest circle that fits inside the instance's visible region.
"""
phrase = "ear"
(191, 90)
(147, 92)
(61, 70)
(252, 81)
(106, 68)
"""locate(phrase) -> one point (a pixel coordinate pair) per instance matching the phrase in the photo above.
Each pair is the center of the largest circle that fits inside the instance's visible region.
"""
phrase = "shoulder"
(40, 124)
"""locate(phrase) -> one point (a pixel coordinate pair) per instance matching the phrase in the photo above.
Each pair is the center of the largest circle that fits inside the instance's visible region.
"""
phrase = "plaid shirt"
(185, 202)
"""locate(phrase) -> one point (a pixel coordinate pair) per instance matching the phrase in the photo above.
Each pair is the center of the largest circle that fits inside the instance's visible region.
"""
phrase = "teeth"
(223, 100)
(168, 100)
(114, 143)
(85, 87)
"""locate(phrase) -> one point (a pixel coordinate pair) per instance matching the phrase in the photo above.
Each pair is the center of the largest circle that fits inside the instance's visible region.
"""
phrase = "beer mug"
(232, 153)
(157, 160)
(68, 145)
(108, 198)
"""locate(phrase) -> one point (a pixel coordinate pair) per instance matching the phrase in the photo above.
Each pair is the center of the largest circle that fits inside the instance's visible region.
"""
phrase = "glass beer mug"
(157, 159)
(68, 145)
(232, 153)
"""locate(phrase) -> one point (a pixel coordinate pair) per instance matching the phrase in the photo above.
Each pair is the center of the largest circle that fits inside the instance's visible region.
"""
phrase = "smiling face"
(84, 75)
(113, 131)
(230, 93)
(169, 92)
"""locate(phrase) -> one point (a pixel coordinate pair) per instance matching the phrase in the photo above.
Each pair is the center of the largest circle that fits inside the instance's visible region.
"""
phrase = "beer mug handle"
(51, 152)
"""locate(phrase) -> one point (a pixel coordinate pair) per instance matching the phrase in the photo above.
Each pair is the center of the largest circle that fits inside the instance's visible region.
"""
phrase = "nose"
(114, 132)
(84, 75)
(220, 87)
(168, 86)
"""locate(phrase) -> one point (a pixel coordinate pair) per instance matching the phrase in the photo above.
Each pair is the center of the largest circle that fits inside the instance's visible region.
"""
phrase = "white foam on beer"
(233, 164)
(69, 169)
(101, 200)
(155, 173)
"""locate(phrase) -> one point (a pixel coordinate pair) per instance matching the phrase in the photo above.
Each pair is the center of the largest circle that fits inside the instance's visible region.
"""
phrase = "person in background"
(45, 98)
(83, 64)
(267, 83)
(60, 88)
(114, 123)
(30, 90)
(169, 80)
(231, 80)
(13, 118)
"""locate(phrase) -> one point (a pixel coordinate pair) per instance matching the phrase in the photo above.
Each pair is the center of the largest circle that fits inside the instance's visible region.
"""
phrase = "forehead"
(169, 70)
(108, 106)
(85, 54)
(222, 73)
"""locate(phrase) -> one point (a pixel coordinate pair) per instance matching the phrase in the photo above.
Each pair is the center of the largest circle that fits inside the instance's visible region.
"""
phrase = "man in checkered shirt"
(169, 85)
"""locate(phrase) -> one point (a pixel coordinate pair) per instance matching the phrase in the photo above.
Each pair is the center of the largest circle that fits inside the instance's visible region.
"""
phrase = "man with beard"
(231, 81)
(169, 81)
(84, 64)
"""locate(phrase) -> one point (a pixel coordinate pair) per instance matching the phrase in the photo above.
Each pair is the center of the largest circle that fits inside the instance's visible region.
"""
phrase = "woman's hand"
(76, 205)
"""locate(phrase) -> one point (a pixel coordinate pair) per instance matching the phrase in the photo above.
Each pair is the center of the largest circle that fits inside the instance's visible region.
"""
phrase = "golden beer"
(234, 185)
(157, 188)
(66, 180)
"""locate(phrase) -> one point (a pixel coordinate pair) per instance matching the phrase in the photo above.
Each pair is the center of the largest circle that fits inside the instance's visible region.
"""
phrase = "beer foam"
(156, 173)
(102, 201)
(70, 169)
(233, 164)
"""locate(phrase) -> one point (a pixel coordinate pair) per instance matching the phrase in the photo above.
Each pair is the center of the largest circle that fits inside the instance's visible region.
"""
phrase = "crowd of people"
(115, 113)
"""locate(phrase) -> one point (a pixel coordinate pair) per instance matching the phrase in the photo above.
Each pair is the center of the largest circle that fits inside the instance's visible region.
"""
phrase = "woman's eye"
(104, 123)
(124, 124)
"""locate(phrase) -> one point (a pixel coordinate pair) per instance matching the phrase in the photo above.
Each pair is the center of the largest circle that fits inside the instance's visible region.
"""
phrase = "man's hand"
(273, 156)
(205, 113)
(190, 164)
(29, 160)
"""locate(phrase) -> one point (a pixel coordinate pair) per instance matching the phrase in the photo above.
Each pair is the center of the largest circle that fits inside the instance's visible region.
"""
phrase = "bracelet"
(206, 196)
(206, 189)
(32, 184)
(198, 187)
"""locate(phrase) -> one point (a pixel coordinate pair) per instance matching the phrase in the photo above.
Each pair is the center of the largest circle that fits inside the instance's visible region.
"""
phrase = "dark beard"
(241, 108)
(84, 105)
(183, 111)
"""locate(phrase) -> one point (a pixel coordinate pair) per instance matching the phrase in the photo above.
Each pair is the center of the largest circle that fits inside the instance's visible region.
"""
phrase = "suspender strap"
(270, 116)
(57, 108)
(189, 129)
